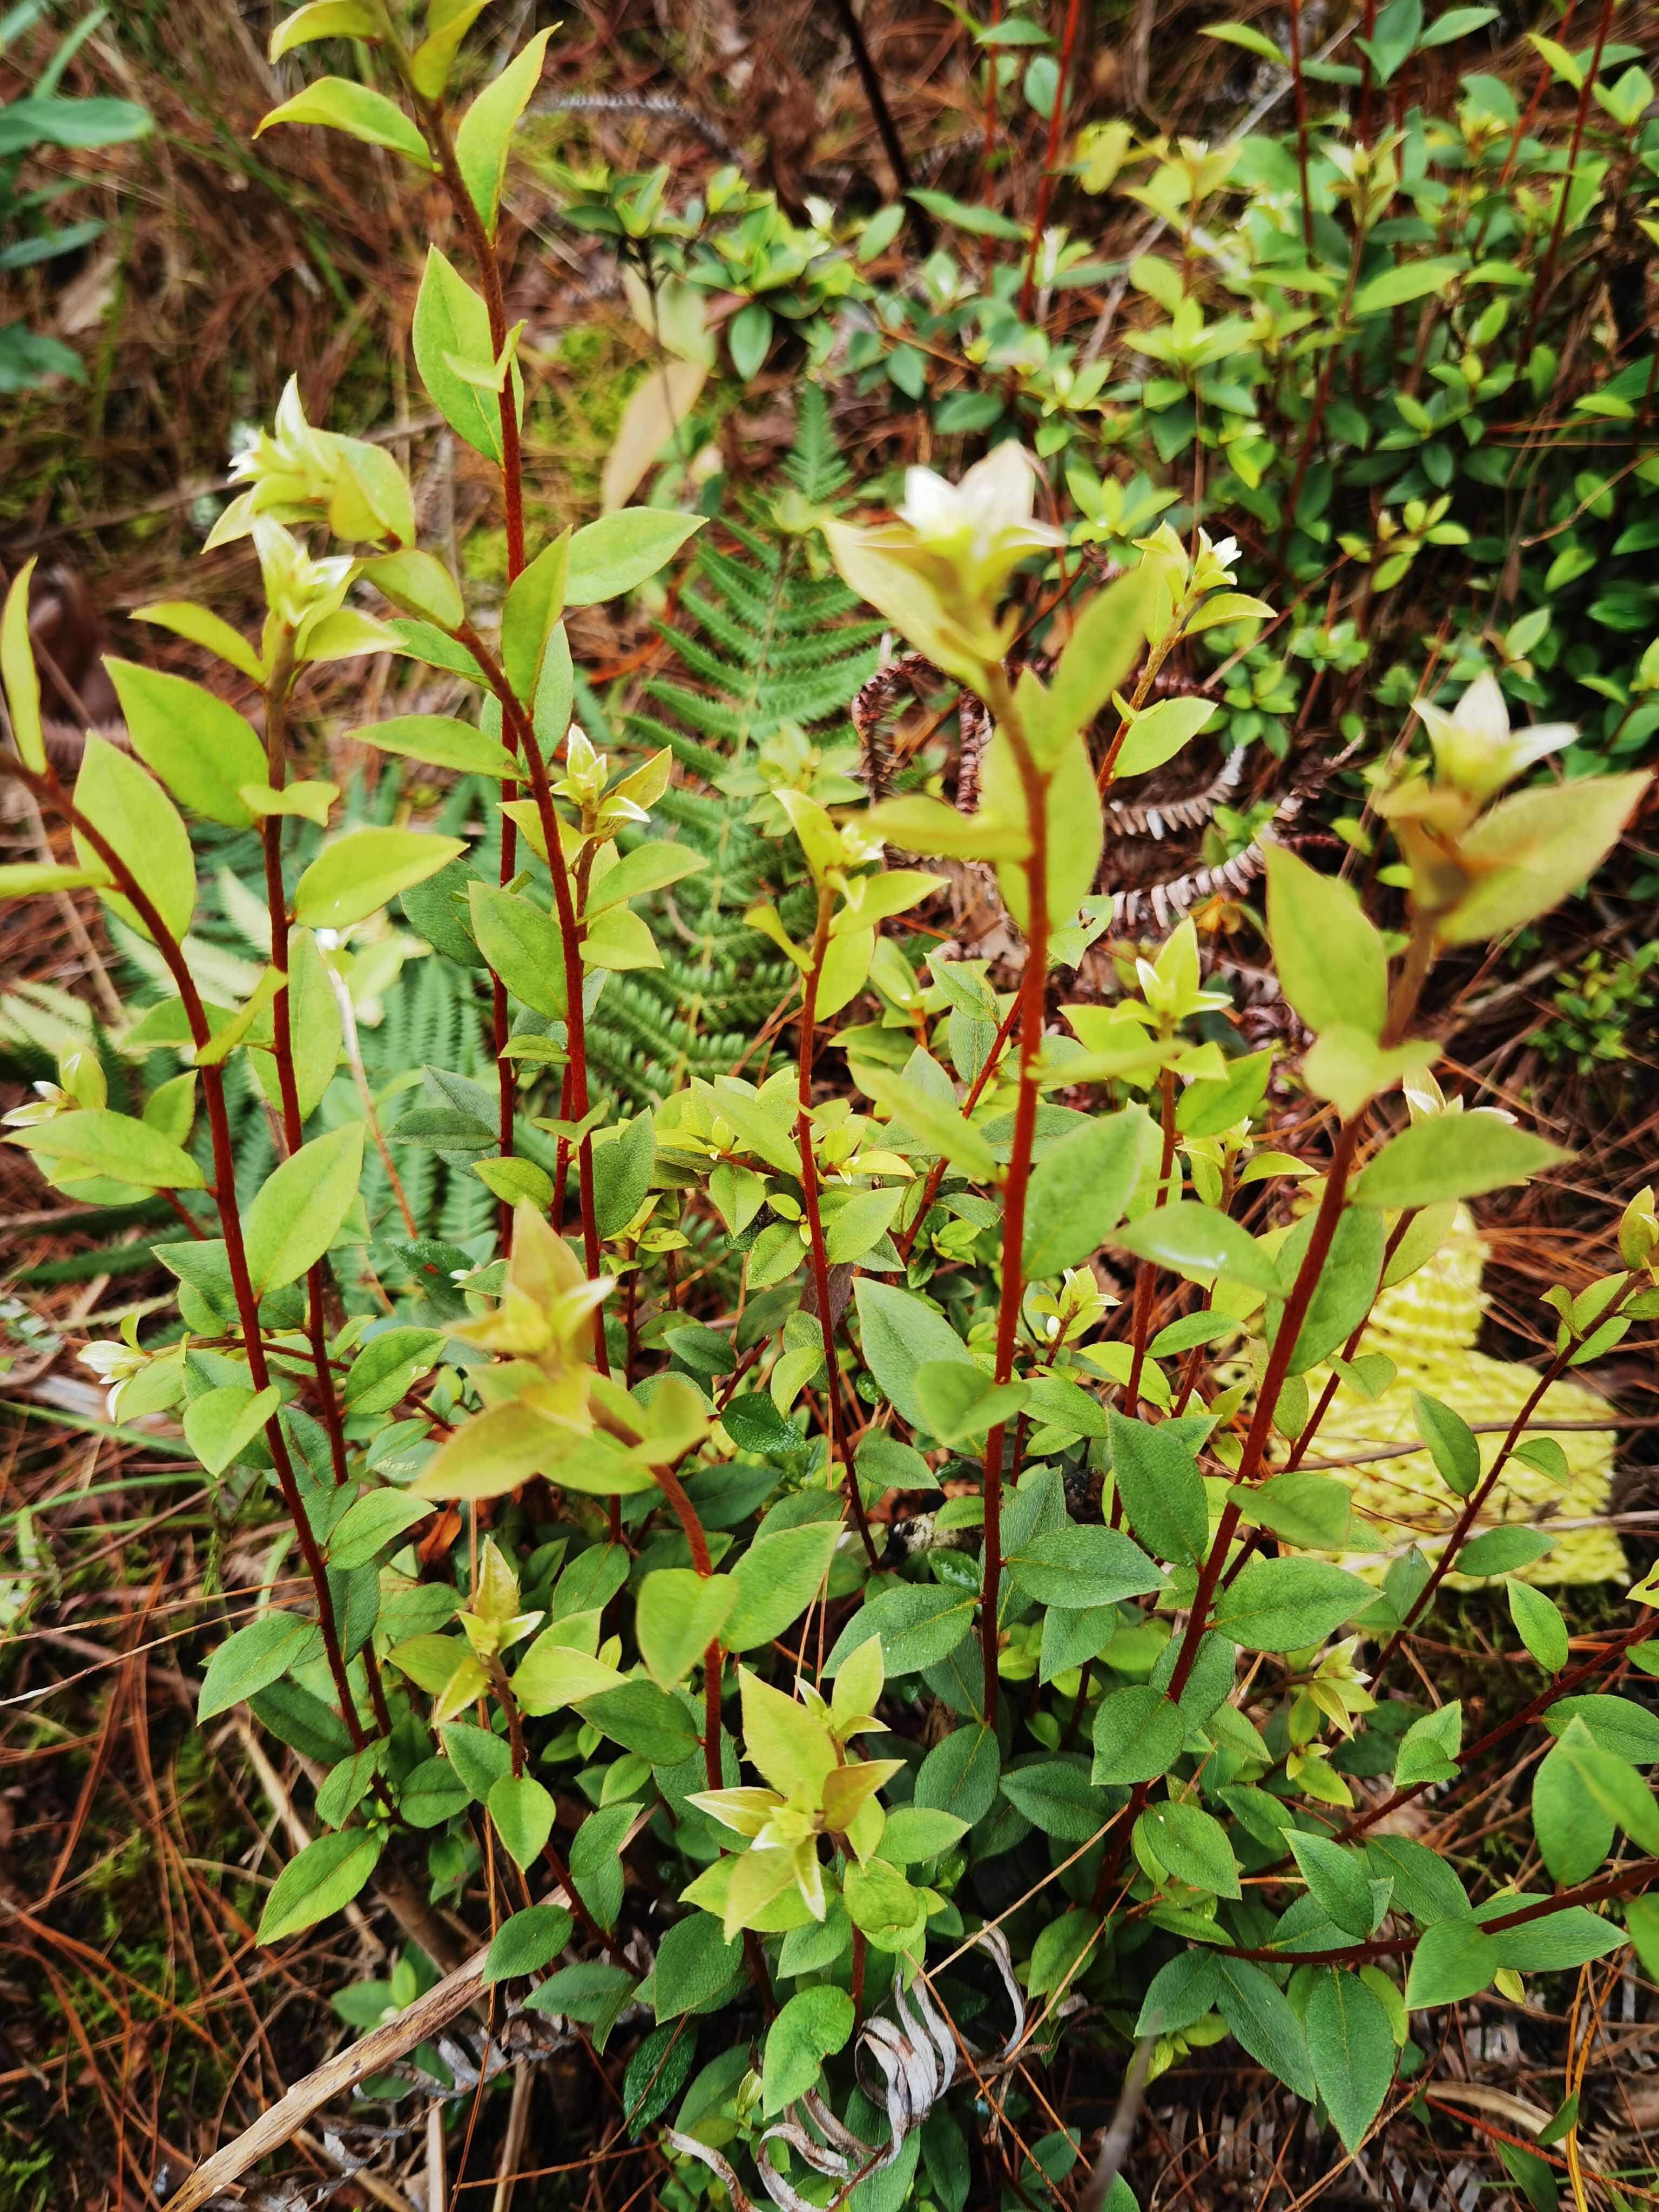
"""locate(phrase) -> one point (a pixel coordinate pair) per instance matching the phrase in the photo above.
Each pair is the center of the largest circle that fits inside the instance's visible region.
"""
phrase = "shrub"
(642, 1545)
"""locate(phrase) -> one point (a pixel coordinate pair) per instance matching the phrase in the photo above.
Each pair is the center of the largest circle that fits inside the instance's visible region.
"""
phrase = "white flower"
(1473, 748)
(984, 525)
(115, 1364)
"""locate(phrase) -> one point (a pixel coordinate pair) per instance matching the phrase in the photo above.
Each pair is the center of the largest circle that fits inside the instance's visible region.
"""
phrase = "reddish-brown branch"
(1050, 155)
(1033, 991)
(940, 1168)
(1483, 1490)
(46, 786)
(809, 1187)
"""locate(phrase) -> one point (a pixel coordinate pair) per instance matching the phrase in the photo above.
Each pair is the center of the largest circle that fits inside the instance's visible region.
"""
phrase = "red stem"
(48, 787)
(1050, 155)
(1032, 996)
(809, 1185)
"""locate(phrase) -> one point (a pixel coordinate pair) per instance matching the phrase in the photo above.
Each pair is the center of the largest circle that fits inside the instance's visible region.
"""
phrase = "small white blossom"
(1473, 747)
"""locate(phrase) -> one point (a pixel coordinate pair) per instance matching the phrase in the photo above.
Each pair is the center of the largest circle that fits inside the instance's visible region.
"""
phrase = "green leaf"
(17, 670)
(918, 1624)
(1350, 2044)
(812, 2024)
(1453, 1156)
(221, 1425)
(1574, 1828)
(523, 945)
(522, 1812)
(1540, 1625)
(694, 1965)
(1406, 281)
(1180, 1993)
(479, 1757)
(251, 1659)
(1450, 1440)
(201, 749)
(1159, 733)
(1253, 41)
(1338, 1880)
(1535, 849)
(1331, 962)
(1289, 1605)
(612, 555)
(596, 1865)
(1313, 1511)
(1198, 1241)
(648, 868)
(749, 334)
(1191, 1845)
(655, 2076)
(324, 1876)
(301, 1207)
(371, 1523)
(432, 1793)
(339, 105)
(777, 1579)
(112, 1145)
(1073, 1567)
(978, 221)
(1054, 1794)
(529, 1941)
(534, 602)
(915, 1833)
(959, 1775)
(1347, 1286)
(315, 1032)
(486, 130)
(1261, 2018)
(754, 1424)
(453, 323)
(1060, 1950)
(140, 825)
(355, 876)
(859, 1226)
(1501, 1551)
(1620, 1725)
(623, 1168)
(900, 1335)
(1428, 1750)
(644, 1719)
(1137, 1735)
(1424, 1886)
(592, 1991)
(442, 742)
(1556, 1943)
(1155, 1473)
(1079, 1191)
(677, 1616)
(420, 584)
(1453, 1960)
(1105, 643)
(958, 1402)
(1215, 1104)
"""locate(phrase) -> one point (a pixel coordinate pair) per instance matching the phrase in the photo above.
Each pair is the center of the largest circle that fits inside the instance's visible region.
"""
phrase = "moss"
(483, 556)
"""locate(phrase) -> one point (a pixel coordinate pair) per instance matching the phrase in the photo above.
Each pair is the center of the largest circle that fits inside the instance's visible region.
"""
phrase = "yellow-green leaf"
(340, 104)
(301, 1207)
(142, 826)
(353, 877)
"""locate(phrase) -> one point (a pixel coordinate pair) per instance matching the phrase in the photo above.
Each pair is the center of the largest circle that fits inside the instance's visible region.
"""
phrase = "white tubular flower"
(115, 1364)
(984, 526)
(1473, 747)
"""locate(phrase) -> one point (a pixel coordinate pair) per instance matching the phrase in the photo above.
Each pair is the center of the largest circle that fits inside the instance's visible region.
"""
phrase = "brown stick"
(334, 2078)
